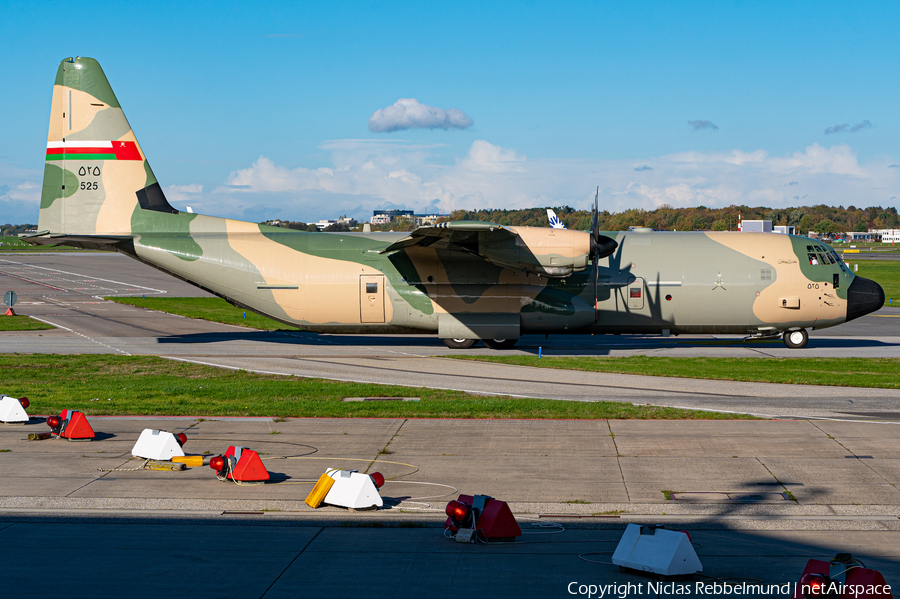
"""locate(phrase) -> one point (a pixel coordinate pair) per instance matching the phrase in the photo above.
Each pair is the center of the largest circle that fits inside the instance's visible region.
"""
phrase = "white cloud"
(29, 191)
(183, 193)
(409, 113)
(364, 175)
(20, 194)
(838, 160)
(486, 157)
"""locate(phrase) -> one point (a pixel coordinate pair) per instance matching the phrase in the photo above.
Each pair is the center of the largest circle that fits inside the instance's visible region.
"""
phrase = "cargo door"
(371, 298)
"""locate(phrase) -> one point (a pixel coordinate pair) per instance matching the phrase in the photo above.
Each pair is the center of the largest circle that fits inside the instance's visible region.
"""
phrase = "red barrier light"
(457, 511)
(378, 479)
(53, 422)
(217, 463)
(24, 401)
(181, 438)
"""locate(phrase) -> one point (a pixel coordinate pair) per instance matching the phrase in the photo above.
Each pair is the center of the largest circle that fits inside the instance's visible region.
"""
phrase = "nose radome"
(864, 296)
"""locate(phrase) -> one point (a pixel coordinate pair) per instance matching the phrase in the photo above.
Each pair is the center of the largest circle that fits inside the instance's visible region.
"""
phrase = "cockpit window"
(839, 261)
(813, 259)
(809, 248)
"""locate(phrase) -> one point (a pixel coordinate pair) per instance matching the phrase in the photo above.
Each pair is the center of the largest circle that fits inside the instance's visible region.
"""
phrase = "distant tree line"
(821, 218)
(14, 230)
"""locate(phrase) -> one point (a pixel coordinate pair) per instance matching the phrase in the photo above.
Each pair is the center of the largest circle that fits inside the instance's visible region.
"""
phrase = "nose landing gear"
(796, 339)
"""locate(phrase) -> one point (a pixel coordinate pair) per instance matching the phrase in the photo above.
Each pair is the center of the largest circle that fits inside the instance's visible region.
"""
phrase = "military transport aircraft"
(462, 280)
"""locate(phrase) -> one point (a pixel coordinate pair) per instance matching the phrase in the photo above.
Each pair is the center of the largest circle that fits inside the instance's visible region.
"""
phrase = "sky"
(309, 110)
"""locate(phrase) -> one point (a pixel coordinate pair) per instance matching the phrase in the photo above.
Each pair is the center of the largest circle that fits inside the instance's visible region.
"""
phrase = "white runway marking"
(115, 349)
(128, 286)
(345, 380)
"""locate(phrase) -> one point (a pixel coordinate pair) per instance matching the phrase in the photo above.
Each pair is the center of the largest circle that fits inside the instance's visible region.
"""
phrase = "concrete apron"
(760, 497)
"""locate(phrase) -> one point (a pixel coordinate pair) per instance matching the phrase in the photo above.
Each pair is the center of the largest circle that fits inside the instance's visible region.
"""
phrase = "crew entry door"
(371, 298)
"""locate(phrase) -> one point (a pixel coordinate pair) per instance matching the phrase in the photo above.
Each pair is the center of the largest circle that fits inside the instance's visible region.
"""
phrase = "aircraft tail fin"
(555, 223)
(96, 177)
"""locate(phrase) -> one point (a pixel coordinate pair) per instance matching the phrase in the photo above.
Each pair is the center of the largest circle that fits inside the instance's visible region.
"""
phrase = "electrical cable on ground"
(314, 449)
(413, 466)
(556, 527)
(591, 561)
(400, 505)
(141, 467)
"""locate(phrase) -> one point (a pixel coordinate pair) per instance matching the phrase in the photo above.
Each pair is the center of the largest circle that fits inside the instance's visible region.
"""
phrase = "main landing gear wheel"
(796, 339)
(500, 343)
(459, 343)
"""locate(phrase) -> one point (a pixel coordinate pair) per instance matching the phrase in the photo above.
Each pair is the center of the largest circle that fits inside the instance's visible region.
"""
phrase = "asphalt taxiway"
(67, 290)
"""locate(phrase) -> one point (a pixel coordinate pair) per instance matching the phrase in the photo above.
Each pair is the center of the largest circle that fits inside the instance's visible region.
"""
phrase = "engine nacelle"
(553, 253)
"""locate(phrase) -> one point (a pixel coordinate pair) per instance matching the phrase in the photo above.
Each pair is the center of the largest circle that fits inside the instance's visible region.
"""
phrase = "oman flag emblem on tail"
(93, 150)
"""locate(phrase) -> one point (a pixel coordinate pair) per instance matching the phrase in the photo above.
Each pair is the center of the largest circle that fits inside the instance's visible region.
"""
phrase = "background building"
(890, 236)
(756, 226)
(383, 217)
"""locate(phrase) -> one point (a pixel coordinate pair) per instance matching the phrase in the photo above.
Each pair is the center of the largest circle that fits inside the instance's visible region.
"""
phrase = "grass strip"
(23, 323)
(144, 385)
(207, 308)
(881, 373)
(884, 272)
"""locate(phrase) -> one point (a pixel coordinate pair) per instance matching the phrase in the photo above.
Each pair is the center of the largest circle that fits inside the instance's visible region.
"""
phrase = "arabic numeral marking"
(812, 286)
(88, 171)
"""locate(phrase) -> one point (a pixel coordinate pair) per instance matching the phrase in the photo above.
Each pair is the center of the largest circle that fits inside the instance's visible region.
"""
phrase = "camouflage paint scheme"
(461, 280)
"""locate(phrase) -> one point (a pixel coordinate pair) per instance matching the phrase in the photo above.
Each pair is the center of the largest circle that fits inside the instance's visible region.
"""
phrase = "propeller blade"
(595, 249)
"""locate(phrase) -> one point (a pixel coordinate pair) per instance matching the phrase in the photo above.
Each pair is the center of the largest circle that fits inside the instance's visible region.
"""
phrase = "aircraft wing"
(463, 235)
(538, 250)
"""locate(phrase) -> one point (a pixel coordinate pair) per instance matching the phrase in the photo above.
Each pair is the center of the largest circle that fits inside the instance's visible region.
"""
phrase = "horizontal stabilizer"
(88, 242)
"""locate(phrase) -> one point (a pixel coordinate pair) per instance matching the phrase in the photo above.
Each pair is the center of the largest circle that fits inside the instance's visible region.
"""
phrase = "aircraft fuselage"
(716, 282)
